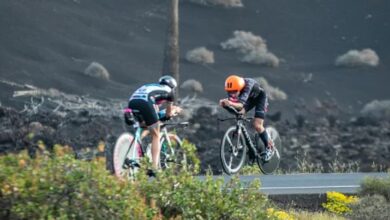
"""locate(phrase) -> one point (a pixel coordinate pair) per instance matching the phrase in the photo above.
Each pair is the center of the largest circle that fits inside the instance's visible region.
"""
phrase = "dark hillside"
(49, 44)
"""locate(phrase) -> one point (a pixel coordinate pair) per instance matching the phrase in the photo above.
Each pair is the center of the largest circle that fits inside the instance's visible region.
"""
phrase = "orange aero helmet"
(234, 83)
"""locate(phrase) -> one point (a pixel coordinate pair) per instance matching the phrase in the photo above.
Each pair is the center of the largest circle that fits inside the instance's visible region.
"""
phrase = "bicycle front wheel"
(233, 150)
(126, 156)
(172, 153)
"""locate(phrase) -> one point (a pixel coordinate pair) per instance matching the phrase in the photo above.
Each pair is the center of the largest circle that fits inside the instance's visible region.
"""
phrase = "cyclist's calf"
(258, 124)
(155, 132)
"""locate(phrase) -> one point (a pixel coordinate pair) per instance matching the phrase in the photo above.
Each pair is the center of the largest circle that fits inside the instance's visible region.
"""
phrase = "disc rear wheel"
(268, 167)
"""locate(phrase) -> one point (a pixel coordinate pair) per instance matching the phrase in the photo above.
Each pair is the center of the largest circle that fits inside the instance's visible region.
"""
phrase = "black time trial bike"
(237, 146)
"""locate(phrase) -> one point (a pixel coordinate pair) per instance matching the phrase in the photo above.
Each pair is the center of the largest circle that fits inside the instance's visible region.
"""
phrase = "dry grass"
(97, 70)
(200, 55)
(273, 93)
(304, 215)
(252, 48)
(353, 58)
(192, 85)
(377, 109)
(225, 3)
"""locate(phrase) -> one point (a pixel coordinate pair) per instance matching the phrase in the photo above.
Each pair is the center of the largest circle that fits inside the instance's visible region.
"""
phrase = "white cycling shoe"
(269, 151)
(268, 154)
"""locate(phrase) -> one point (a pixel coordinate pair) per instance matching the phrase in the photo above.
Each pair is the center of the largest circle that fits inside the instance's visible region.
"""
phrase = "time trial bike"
(130, 148)
(237, 146)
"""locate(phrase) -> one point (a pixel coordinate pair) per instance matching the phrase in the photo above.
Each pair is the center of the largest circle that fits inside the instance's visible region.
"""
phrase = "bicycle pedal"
(130, 164)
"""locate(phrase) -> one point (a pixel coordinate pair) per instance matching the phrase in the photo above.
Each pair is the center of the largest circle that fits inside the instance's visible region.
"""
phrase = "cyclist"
(245, 94)
(148, 100)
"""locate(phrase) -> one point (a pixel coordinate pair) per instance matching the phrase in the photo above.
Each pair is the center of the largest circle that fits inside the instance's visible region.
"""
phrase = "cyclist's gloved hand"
(162, 116)
(165, 118)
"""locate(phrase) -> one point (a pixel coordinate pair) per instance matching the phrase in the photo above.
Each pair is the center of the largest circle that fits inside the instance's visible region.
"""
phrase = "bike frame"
(248, 140)
(241, 127)
(136, 139)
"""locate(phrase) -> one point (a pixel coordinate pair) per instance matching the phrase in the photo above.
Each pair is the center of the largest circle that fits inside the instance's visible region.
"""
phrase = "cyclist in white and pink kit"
(147, 101)
(245, 94)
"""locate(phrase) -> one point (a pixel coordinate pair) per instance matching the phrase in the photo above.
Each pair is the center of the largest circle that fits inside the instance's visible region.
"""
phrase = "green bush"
(375, 186)
(58, 186)
(371, 207)
(61, 187)
(188, 196)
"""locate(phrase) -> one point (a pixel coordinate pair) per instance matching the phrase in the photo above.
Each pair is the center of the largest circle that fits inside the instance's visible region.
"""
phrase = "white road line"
(309, 187)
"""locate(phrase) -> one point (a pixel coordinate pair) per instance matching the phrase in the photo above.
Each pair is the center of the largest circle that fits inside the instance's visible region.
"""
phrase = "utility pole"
(171, 50)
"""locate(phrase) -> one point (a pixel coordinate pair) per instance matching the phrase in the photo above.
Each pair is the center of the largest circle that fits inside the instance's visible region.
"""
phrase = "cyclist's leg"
(151, 120)
(155, 132)
(260, 110)
(258, 123)
(149, 115)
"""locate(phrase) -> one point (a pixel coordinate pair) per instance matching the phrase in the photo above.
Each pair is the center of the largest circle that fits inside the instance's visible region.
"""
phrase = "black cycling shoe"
(151, 173)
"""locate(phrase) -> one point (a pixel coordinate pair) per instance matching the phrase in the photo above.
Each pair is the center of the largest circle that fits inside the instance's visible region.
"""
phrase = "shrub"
(338, 203)
(375, 186)
(377, 109)
(97, 70)
(187, 196)
(192, 85)
(58, 186)
(279, 214)
(250, 170)
(353, 58)
(272, 92)
(200, 55)
(61, 187)
(260, 56)
(371, 207)
(253, 49)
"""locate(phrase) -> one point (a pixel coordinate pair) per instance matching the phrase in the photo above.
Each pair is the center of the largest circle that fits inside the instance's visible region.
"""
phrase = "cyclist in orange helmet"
(245, 94)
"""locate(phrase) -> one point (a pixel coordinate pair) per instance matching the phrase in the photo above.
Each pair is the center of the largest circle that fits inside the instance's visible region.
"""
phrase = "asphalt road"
(309, 183)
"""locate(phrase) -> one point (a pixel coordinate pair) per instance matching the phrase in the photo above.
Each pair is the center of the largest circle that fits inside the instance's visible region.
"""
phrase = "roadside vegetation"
(56, 185)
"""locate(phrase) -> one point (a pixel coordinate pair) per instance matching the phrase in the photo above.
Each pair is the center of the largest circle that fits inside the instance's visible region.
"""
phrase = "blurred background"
(67, 68)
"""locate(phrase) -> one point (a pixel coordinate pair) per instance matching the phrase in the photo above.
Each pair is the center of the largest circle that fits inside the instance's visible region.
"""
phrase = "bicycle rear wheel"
(233, 150)
(126, 156)
(268, 167)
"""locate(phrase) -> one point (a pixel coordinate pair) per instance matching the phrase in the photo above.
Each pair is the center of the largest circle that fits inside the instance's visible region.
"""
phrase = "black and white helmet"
(168, 80)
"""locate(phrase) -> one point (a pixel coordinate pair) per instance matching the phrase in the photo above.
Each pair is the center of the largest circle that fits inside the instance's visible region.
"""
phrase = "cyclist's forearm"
(169, 111)
(236, 105)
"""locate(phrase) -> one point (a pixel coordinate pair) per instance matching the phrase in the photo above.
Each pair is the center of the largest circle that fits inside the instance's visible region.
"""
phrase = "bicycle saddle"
(133, 114)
